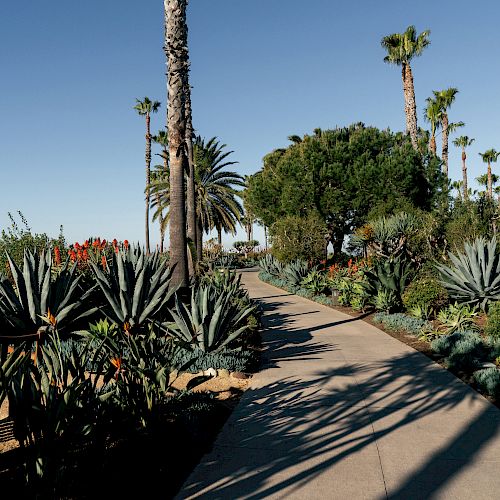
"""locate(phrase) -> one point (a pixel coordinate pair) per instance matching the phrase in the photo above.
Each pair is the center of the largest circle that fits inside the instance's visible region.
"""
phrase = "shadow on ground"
(290, 431)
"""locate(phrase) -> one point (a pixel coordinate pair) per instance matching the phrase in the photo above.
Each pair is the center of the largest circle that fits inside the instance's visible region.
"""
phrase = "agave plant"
(136, 287)
(474, 277)
(271, 265)
(225, 280)
(295, 272)
(458, 317)
(38, 302)
(211, 322)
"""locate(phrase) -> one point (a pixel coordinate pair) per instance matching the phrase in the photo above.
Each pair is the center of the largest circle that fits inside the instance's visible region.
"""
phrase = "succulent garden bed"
(452, 316)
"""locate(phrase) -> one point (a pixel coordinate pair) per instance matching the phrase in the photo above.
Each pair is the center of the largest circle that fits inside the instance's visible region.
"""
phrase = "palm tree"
(217, 206)
(176, 51)
(464, 142)
(483, 181)
(401, 49)
(159, 173)
(445, 98)
(216, 203)
(433, 115)
(146, 108)
(490, 156)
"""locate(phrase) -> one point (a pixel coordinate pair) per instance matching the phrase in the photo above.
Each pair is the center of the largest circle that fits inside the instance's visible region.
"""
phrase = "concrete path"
(343, 411)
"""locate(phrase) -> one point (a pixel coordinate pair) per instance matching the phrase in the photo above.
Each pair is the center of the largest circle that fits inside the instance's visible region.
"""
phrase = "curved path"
(341, 410)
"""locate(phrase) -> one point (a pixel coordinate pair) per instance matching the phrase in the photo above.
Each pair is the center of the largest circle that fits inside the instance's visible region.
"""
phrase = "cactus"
(474, 277)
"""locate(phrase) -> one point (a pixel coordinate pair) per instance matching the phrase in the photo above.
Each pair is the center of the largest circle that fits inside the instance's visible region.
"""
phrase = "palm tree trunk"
(490, 182)
(176, 52)
(444, 155)
(219, 236)
(265, 236)
(464, 175)
(432, 144)
(410, 104)
(199, 241)
(191, 194)
(148, 178)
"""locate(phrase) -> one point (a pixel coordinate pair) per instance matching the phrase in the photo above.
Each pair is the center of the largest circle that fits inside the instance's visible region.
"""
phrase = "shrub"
(425, 292)
(323, 299)
(401, 322)
(314, 281)
(492, 327)
(488, 381)
(462, 350)
(296, 237)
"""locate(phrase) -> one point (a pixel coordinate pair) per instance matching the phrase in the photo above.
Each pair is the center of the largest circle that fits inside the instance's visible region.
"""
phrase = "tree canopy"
(343, 175)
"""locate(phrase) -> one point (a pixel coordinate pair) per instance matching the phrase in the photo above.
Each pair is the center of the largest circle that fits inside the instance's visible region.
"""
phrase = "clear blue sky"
(72, 147)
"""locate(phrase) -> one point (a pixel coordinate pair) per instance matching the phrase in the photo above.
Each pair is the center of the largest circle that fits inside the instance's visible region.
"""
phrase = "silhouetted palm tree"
(464, 142)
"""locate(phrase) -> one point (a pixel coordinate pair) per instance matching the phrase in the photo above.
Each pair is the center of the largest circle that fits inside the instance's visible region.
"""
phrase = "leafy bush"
(295, 237)
(315, 281)
(488, 381)
(386, 300)
(401, 322)
(474, 277)
(462, 350)
(425, 292)
(492, 327)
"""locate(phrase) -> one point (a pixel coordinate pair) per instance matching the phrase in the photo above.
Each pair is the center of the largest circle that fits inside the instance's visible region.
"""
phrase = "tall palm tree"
(445, 98)
(464, 142)
(401, 49)
(216, 203)
(433, 115)
(176, 51)
(217, 206)
(490, 156)
(159, 173)
(146, 108)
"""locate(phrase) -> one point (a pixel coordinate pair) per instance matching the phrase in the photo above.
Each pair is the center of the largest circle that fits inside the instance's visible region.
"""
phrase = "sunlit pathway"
(342, 410)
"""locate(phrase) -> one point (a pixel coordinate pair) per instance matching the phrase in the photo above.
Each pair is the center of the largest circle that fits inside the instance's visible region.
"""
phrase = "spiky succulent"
(271, 265)
(211, 322)
(295, 272)
(136, 287)
(474, 277)
(38, 301)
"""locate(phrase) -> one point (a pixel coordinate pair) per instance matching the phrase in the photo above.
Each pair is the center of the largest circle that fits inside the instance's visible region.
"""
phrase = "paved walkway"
(343, 411)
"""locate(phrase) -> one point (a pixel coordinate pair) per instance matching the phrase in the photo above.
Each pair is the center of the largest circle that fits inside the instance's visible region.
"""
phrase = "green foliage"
(492, 327)
(294, 272)
(400, 322)
(40, 302)
(386, 300)
(212, 321)
(323, 299)
(387, 280)
(457, 317)
(245, 246)
(425, 292)
(233, 360)
(342, 175)
(295, 237)
(136, 287)
(271, 265)
(225, 262)
(462, 350)
(488, 381)
(315, 281)
(16, 239)
(474, 276)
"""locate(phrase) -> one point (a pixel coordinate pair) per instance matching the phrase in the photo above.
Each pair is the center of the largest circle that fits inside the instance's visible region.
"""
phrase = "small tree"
(295, 237)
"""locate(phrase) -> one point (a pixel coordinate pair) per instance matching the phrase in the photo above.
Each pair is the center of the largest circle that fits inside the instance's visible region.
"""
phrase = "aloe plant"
(474, 277)
(315, 281)
(136, 287)
(458, 317)
(211, 322)
(39, 302)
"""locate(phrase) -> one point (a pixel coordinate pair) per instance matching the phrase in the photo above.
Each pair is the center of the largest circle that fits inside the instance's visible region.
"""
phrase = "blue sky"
(72, 147)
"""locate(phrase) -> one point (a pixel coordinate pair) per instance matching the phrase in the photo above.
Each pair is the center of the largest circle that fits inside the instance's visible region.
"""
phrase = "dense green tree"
(401, 49)
(342, 175)
(146, 108)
